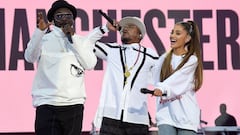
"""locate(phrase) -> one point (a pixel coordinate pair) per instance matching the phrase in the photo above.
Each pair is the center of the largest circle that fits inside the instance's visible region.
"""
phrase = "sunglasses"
(60, 16)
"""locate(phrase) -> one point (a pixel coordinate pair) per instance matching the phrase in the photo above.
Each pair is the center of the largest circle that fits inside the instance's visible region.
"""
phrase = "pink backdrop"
(220, 86)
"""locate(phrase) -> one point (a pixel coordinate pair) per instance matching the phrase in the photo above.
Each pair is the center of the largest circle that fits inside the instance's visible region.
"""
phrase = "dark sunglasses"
(60, 16)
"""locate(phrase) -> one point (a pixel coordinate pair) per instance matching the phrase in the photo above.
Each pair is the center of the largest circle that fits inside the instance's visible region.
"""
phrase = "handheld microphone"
(147, 91)
(110, 20)
(66, 26)
(204, 122)
(69, 37)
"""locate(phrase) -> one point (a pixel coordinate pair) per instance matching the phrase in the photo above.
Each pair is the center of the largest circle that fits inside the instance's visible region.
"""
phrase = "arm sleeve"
(86, 51)
(97, 33)
(181, 81)
(85, 55)
(33, 50)
(100, 49)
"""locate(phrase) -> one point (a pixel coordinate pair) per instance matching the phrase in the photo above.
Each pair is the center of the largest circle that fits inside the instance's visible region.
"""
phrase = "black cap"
(60, 4)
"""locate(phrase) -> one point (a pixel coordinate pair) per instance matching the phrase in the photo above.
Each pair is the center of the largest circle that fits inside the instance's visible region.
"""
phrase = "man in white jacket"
(62, 57)
(123, 108)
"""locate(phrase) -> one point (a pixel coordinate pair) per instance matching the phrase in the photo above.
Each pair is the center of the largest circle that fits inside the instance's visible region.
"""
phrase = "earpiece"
(140, 36)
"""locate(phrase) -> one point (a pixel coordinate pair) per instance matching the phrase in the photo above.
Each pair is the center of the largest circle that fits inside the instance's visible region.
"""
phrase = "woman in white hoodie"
(179, 78)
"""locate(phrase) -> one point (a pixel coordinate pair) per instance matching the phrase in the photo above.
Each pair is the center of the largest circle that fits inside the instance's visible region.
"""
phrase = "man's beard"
(125, 40)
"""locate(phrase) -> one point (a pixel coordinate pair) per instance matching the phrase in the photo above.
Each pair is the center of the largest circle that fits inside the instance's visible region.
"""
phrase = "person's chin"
(125, 40)
(172, 45)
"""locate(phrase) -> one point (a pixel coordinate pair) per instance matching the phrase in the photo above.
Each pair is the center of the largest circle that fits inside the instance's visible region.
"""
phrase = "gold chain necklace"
(127, 70)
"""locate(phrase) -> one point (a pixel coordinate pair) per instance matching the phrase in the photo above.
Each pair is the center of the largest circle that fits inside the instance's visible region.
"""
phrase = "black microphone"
(204, 122)
(69, 36)
(110, 20)
(147, 91)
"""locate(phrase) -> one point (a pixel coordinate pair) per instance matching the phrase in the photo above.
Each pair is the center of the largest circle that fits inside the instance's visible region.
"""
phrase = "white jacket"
(58, 81)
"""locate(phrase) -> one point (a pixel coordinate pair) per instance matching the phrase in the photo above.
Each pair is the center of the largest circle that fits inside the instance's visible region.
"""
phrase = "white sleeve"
(180, 81)
(84, 48)
(100, 49)
(97, 33)
(33, 50)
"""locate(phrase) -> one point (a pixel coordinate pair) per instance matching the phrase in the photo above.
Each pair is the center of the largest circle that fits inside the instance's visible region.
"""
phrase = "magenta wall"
(218, 20)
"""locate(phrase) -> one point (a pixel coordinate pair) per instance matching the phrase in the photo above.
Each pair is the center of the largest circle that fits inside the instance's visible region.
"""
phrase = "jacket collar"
(131, 46)
(58, 31)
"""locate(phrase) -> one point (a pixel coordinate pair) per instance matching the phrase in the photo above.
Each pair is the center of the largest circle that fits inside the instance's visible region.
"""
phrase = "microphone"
(110, 20)
(66, 26)
(147, 91)
(69, 37)
(204, 122)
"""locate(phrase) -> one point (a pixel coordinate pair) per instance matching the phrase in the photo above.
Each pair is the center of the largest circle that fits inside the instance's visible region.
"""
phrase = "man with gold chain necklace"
(123, 108)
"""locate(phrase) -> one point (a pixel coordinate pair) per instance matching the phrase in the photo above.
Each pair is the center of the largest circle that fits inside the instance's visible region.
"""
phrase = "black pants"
(59, 120)
(118, 127)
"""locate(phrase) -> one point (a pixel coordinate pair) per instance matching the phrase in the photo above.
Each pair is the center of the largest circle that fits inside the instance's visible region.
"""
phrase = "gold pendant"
(127, 74)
